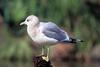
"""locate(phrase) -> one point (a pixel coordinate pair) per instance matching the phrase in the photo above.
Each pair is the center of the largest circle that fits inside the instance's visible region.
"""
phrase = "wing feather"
(51, 30)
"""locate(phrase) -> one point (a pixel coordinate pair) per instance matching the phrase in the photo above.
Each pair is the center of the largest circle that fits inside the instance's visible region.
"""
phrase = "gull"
(46, 33)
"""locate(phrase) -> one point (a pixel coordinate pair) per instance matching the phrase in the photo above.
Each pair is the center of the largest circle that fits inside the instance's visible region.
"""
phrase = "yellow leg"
(43, 51)
(46, 58)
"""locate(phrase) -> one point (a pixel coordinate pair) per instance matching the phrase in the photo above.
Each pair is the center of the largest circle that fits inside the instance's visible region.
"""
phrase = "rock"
(39, 62)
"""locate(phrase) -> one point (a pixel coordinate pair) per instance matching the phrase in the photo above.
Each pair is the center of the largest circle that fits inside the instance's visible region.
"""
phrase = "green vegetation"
(73, 15)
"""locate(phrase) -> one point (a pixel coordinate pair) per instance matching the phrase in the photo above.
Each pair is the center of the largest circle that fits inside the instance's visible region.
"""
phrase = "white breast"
(38, 37)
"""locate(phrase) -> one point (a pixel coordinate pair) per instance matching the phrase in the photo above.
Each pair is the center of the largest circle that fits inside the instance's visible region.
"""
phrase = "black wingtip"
(72, 40)
(76, 40)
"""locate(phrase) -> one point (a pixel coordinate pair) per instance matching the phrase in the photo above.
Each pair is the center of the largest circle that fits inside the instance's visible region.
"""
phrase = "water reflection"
(55, 64)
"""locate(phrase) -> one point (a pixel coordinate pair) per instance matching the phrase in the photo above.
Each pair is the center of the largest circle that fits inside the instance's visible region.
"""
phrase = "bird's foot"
(46, 58)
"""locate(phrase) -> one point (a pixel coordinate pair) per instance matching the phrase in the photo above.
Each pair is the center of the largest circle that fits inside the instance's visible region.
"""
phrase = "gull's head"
(31, 20)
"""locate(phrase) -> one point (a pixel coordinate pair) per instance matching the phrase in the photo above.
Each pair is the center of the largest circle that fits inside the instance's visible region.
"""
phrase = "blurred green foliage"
(17, 10)
(15, 48)
(73, 15)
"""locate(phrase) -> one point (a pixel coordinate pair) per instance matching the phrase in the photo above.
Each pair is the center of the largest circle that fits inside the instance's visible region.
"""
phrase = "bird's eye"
(27, 20)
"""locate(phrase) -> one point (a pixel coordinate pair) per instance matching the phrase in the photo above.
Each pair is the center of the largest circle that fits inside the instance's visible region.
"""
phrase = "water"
(55, 64)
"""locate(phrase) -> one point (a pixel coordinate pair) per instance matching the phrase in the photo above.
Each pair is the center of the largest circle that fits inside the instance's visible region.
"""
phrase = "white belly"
(40, 38)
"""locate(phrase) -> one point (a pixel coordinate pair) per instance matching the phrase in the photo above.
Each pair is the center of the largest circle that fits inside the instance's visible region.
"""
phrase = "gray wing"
(51, 30)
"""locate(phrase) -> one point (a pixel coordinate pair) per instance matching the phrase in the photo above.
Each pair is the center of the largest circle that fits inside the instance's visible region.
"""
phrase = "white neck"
(32, 30)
